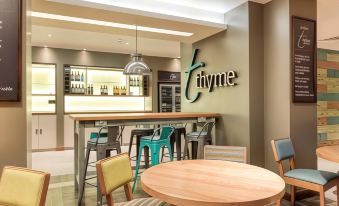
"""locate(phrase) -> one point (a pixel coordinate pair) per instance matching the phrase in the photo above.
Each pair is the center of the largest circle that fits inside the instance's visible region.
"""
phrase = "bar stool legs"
(155, 155)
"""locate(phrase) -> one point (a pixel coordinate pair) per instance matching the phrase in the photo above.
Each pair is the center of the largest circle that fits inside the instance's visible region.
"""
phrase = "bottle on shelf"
(83, 89)
(134, 81)
(101, 90)
(82, 77)
(88, 91)
(138, 82)
(76, 89)
(72, 89)
(72, 76)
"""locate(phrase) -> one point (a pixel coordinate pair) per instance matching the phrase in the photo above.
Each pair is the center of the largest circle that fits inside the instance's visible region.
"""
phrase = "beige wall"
(259, 109)
(304, 116)
(283, 118)
(89, 58)
(229, 50)
(15, 117)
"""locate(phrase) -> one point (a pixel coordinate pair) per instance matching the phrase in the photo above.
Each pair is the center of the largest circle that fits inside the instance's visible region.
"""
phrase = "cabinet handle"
(36, 131)
(40, 131)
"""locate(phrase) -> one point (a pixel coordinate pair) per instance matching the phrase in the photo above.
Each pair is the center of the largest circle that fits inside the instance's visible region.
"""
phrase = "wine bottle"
(82, 77)
(100, 89)
(72, 76)
(138, 82)
(91, 90)
(72, 89)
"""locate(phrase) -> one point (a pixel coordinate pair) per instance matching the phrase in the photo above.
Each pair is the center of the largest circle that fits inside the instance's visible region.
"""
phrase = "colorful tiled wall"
(328, 95)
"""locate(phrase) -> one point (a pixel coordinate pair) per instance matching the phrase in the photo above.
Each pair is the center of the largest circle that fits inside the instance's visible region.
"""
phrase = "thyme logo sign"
(206, 81)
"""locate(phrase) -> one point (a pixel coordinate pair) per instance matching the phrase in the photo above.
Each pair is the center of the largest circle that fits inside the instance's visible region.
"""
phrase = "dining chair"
(315, 180)
(155, 142)
(21, 186)
(114, 172)
(225, 153)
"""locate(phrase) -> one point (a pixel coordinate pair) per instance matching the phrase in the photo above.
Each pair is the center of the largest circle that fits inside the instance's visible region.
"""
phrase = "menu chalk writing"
(10, 50)
(303, 59)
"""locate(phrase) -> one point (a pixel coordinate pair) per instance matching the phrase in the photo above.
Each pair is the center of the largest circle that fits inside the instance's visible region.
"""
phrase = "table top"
(330, 153)
(212, 183)
(140, 116)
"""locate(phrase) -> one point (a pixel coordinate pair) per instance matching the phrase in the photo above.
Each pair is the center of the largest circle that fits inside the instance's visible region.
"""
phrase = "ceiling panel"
(104, 42)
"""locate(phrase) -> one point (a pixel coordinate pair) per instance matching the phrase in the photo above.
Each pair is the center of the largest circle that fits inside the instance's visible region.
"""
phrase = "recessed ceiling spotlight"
(49, 35)
(119, 41)
(84, 49)
(127, 43)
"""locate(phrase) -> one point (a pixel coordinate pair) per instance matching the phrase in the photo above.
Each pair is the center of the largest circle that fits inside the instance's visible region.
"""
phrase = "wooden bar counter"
(83, 121)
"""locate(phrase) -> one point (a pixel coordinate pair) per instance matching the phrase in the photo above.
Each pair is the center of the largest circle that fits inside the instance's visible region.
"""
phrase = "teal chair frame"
(155, 143)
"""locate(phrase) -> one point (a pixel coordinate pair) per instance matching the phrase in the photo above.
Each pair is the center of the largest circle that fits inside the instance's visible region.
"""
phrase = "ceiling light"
(84, 49)
(136, 66)
(49, 35)
(107, 24)
(127, 43)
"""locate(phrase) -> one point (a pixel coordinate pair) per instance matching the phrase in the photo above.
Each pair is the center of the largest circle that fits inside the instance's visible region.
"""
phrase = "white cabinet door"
(35, 132)
(47, 131)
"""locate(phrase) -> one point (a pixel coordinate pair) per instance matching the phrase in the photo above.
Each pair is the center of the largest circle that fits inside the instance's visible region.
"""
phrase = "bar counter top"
(140, 116)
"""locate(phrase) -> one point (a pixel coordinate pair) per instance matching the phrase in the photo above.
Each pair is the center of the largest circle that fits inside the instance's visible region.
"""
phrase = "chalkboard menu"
(10, 50)
(304, 60)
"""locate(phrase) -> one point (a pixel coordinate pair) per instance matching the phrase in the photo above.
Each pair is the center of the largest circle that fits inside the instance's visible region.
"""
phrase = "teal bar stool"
(155, 143)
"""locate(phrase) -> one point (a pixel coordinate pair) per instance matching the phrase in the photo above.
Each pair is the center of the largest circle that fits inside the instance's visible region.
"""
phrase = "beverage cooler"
(169, 92)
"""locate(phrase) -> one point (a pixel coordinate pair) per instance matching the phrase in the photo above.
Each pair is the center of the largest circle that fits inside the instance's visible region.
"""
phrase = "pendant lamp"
(136, 66)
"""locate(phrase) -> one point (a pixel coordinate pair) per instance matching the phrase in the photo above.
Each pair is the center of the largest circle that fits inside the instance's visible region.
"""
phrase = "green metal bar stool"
(155, 143)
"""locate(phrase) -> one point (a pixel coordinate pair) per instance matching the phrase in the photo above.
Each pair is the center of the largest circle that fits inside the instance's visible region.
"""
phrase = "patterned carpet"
(61, 193)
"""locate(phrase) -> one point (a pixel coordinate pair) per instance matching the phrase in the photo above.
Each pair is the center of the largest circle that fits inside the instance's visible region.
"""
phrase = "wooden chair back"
(22, 186)
(114, 172)
(226, 153)
(283, 150)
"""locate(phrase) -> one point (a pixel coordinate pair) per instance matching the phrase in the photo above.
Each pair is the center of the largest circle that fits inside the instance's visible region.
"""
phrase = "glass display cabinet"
(43, 88)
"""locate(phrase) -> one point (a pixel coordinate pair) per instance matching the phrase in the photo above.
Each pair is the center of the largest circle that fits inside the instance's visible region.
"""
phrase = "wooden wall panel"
(328, 97)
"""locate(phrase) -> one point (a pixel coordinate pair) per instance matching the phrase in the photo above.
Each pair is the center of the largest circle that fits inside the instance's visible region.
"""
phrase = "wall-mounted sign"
(206, 81)
(304, 60)
(164, 76)
(10, 50)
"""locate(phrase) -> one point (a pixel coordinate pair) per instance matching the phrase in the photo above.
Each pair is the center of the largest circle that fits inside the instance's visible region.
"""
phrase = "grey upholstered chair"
(311, 179)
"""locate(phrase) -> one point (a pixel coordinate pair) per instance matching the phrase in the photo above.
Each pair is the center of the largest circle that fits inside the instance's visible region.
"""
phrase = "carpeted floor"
(61, 193)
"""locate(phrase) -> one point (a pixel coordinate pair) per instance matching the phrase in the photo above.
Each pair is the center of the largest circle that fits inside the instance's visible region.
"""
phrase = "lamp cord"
(136, 38)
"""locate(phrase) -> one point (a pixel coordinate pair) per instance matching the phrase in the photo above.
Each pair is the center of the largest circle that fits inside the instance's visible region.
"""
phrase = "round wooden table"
(212, 183)
(330, 153)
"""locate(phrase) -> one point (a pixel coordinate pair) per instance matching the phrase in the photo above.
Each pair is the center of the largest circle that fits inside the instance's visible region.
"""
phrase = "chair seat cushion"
(143, 202)
(314, 176)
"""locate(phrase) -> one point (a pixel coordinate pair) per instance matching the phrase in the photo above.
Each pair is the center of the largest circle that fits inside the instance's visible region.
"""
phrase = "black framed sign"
(304, 60)
(165, 76)
(10, 50)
